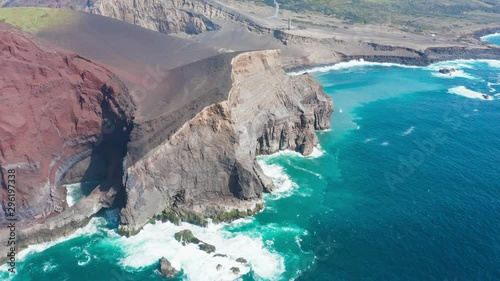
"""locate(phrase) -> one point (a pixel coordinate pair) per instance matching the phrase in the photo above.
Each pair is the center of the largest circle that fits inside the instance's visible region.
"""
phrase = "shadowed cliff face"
(54, 111)
(207, 168)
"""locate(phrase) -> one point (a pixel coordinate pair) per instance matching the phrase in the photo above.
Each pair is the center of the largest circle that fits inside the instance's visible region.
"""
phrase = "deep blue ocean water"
(406, 186)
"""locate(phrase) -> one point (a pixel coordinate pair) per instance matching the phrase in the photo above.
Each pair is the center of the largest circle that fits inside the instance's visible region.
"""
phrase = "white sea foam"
(156, 241)
(493, 63)
(463, 91)
(73, 193)
(486, 37)
(283, 185)
(348, 64)
(48, 266)
(460, 64)
(369, 140)
(490, 84)
(83, 257)
(463, 64)
(409, 131)
(317, 152)
(385, 143)
(454, 74)
(91, 228)
(307, 171)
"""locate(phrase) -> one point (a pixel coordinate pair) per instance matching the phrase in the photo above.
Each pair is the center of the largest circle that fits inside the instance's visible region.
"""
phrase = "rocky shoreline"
(429, 56)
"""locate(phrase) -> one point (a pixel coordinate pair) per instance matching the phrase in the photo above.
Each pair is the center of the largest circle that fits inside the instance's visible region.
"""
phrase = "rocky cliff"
(184, 153)
(173, 16)
(207, 168)
(54, 111)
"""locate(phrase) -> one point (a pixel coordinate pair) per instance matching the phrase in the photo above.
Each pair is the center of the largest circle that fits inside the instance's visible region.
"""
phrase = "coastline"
(70, 237)
(429, 56)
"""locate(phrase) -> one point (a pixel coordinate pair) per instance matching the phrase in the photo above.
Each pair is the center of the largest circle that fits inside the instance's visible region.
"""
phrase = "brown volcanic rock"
(207, 168)
(51, 117)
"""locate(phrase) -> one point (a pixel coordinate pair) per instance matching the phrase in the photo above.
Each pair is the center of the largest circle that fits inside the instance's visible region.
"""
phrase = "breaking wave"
(463, 91)
(156, 241)
(409, 131)
(348, 64)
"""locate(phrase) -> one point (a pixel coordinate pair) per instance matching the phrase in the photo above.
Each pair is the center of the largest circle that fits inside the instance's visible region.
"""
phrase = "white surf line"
(409, 131)
(369, 140)
(156, 241)
(463, 91)
(307, 171)
(348, 64)
(485, 37)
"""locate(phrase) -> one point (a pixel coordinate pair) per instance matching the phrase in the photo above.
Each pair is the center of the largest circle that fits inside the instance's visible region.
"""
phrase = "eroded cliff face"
(167, 16)
(207, 169)
(52, 120)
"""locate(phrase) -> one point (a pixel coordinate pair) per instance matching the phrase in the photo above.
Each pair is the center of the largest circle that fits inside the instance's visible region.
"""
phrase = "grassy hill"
(36, 19)
(418, 15)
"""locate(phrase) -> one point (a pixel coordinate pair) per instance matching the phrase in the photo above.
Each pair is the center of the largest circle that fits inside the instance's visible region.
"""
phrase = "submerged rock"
(206, 247)
(186, 236)
(218, 267)
(166, 268)
(241, 260)
(235, 270)
(445, 70)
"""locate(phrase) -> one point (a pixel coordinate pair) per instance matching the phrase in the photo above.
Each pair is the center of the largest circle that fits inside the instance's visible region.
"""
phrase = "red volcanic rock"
(52, 107)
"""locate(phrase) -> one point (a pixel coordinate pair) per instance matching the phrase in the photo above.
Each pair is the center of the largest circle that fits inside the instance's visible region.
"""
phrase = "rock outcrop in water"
(166, 269)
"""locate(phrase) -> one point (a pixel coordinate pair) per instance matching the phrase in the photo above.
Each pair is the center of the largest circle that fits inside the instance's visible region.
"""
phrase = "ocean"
(405, 186)
(492, 38)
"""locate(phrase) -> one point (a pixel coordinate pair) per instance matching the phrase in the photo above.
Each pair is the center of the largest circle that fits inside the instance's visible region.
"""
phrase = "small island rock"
(235, 270)
(241, 260)
(166, 268)
(186, 236)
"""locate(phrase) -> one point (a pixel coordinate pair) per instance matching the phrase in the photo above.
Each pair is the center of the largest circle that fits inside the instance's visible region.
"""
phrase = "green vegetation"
(37, 19)
(236, 214)
(170, 216)
(419, 15)
(176, 217)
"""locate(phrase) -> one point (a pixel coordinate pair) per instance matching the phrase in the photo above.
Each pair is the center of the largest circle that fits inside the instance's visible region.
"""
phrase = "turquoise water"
(493, 38)
(404, 187)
